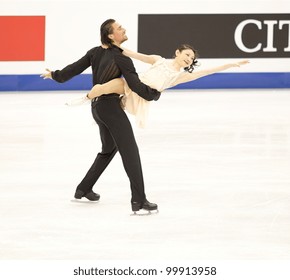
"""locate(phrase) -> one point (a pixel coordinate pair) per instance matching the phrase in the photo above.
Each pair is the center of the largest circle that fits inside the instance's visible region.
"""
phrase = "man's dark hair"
(106, 30)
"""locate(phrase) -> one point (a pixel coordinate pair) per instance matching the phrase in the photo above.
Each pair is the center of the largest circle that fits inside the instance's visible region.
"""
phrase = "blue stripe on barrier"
(35, 83)
(215, 81)
(240, 80)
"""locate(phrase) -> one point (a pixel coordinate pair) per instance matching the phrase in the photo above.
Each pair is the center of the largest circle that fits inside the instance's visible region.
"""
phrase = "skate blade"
(84, 201)
(73, 105)
(143, 212)
(77, 103)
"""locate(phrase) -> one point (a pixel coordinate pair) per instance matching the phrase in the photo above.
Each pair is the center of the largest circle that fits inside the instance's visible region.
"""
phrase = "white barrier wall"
(72, 27)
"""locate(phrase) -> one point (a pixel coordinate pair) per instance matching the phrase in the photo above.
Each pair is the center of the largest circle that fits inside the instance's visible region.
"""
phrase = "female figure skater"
(163, 74)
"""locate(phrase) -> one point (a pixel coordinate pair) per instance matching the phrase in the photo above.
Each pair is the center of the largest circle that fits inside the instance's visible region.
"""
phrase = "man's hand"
(46, 75)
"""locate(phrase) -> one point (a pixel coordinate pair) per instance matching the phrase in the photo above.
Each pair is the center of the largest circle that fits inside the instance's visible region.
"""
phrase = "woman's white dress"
(159, 76)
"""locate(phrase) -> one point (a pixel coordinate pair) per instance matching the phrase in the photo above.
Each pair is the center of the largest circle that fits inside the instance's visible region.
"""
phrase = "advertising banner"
(216, 35)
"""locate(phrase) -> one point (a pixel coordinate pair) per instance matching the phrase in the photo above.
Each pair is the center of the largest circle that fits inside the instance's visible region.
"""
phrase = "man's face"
(119, 34)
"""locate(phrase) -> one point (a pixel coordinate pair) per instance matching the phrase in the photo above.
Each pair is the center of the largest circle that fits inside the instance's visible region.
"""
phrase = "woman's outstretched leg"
(113, 86)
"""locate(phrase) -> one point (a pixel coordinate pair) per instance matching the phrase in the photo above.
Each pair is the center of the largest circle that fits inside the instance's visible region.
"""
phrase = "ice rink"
(217, 162)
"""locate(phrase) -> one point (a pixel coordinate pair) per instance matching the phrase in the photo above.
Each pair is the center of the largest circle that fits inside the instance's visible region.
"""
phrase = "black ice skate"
(90, 196)
(146, 205)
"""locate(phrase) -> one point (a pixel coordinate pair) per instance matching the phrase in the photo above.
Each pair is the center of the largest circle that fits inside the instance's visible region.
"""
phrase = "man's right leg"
(109, 149)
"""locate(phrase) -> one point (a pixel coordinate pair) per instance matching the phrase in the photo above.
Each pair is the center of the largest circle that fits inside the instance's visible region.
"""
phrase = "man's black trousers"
(116, 135)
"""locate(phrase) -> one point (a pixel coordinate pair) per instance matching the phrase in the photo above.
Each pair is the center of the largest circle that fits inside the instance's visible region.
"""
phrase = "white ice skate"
(78, 101)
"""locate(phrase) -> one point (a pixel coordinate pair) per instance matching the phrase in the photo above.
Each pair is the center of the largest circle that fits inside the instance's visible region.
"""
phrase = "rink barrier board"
(214, 81)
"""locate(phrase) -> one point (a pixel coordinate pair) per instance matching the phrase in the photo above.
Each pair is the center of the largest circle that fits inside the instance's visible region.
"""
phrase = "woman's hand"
(240, 63)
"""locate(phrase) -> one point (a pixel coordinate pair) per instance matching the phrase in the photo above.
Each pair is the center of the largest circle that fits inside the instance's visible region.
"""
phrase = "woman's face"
(184, 57)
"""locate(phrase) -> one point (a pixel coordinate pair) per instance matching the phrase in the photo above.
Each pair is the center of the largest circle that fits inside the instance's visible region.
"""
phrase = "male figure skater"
(108, 62)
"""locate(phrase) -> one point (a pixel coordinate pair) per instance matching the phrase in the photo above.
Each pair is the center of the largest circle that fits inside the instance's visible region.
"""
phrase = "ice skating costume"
(159, 76)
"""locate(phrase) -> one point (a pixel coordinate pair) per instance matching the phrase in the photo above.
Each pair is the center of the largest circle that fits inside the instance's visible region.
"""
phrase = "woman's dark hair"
(195, 62)
(107, 29)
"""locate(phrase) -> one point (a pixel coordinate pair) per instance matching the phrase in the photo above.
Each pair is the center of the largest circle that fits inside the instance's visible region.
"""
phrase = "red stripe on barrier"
(22, 38)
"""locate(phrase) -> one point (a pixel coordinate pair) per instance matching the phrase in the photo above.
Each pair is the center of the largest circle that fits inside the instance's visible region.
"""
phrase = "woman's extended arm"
(187, 77)
(151, 59)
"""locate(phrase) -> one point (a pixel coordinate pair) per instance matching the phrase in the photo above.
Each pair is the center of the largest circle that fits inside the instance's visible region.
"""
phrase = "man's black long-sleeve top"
(107, 64)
